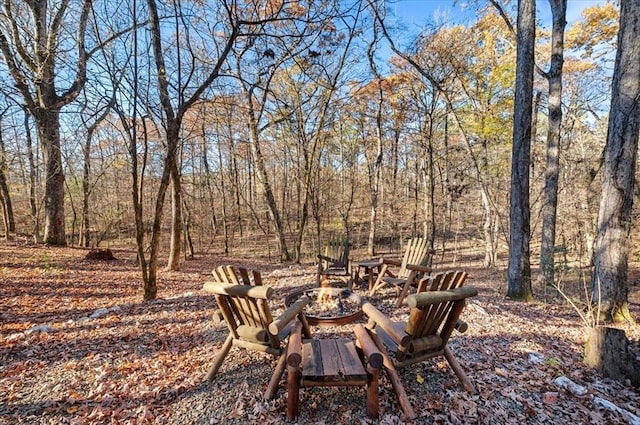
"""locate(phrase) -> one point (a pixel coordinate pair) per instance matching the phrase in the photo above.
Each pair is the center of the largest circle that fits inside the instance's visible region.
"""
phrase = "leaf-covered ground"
(77, 346)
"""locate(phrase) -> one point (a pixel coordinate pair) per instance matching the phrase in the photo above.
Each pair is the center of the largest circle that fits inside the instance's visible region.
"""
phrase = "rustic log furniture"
(441, 281)
(243, 304)
(432, 318)
(370, 268)
(332, 362)
(416, 261)
(335, 262)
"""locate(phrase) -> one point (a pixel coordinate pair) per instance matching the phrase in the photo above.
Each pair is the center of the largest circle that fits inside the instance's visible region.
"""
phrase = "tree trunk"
(375, 166)
(489, 230)
(189, 251)
(610, 283)
(10, 222)
(519, 269)
(48, 123)
(268, 191)
(173, 263)
(33, 201)
(607, 350)
(550, 202)
(86, 170)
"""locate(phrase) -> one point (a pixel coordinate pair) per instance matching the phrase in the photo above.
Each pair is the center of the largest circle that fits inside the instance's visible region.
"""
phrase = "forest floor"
(78, 346)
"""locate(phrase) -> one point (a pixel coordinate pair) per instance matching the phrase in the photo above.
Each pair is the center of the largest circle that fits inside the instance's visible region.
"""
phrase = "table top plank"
(331, 361)
(311, 359)
(350, 360)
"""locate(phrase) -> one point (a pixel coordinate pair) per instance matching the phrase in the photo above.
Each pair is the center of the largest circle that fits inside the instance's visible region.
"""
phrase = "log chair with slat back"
(416, 261)
(432, 318)
(335, 262)
(243, 304)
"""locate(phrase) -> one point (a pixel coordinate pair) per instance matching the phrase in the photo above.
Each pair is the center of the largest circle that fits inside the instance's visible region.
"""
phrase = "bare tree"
(173, 115)
(374, 163)
(31, 44)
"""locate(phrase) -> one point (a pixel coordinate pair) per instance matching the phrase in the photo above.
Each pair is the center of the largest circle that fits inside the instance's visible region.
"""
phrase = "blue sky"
(416, 13)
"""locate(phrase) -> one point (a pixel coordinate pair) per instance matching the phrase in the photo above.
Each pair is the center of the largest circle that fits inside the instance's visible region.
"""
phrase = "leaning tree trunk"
(519, 269)
(268, 190)
(610, 281)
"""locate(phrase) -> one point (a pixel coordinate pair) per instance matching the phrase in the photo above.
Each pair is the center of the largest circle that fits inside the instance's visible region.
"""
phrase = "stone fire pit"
(329, 306)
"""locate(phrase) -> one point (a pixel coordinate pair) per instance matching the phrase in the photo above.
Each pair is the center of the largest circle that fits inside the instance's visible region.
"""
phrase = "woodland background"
(185, 135)
(300, 132)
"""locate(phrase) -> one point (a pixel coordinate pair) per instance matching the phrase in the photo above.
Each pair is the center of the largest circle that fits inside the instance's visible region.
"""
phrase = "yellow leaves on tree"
(599, 25)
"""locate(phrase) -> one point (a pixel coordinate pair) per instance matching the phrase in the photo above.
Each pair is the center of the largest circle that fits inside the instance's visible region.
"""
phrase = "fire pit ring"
(344, 316)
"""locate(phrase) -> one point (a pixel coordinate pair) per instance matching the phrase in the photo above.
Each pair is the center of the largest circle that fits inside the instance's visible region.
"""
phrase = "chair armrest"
(461, 326)
(289, 314)
(254, 291)
(325, 258)
(401, 338)
(391, 261)
(294, 347)
(419, 268)
(368, 347)
(217, 317)
(436, 297)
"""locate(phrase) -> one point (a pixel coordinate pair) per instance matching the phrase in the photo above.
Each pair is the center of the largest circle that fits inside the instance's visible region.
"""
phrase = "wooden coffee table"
(330, 362)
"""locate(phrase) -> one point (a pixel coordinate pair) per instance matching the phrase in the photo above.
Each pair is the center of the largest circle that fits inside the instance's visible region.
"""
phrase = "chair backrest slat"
(338, 249)
(415, 253)
(439, 282)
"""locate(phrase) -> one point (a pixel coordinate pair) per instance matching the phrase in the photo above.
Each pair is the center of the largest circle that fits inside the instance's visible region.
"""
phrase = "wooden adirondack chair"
(441, 281)
(433, 317)
(243, 304)
(335, 262)
(416, 261)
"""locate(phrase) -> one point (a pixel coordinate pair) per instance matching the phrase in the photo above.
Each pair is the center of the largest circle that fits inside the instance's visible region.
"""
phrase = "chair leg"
(405, 289)
(457, 369)
(272, 388)
(377, 285)
(293, 392)
(220, 358)
(379, 281)
(394, 377)
(373, 399)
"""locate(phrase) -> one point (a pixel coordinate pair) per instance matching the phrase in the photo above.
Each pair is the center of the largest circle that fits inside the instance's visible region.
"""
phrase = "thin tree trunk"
(610, 279)
(519, 269)
(33, 178)
(488, 230)
(270, 199)
(10, 222)
(173, 263)
(375, 166)
(223, 188)
(86, 172)
(550, 203)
